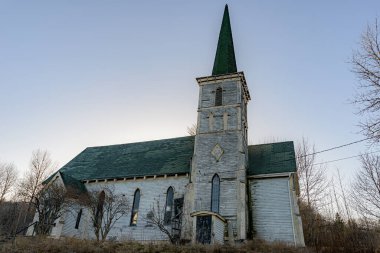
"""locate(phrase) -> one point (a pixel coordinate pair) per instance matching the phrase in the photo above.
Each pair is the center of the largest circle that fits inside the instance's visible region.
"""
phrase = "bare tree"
(9, 211)
(312, 178)
(50, 203)
(8, 179)
(366, 65)
(105, 208)
(192, 130)
(158, 218)
(366, 188)
(41, 166)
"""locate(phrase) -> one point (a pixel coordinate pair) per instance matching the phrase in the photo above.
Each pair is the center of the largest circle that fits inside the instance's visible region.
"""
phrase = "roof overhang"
(206, 213)
(271, 175)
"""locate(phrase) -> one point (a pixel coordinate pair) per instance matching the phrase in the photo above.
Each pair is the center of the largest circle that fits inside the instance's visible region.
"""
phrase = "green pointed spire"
(225, 62)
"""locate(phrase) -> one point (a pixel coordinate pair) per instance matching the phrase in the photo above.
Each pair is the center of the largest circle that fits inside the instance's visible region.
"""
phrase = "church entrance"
(203, 234)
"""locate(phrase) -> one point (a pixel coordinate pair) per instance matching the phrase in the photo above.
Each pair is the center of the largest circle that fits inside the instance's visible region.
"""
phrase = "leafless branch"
(366, 189)
(8, 179)
(366, 65)
(312, 179)
(106, 207)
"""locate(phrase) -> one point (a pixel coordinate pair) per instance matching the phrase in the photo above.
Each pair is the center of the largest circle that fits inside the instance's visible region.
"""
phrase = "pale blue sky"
(75, 74)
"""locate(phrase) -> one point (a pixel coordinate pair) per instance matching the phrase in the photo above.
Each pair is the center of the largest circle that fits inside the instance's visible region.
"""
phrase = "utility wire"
(329, 149)
(322, 151)
(345, 158)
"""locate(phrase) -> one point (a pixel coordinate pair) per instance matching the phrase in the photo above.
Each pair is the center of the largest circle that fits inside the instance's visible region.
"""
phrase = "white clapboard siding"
(151, 190)
(218, 230)
(271, 209)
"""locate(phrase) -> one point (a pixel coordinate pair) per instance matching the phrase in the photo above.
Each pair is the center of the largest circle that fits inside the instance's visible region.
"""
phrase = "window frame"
(215, 196)
(99, 209)
(219, 96)
(135, 210)
(79, 216)
(169, 213)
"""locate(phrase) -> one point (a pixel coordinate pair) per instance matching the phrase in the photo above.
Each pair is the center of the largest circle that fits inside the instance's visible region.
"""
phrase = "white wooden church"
(221, 188)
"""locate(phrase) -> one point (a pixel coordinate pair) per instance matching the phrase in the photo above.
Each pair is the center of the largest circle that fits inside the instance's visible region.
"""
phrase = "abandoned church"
(213, 186)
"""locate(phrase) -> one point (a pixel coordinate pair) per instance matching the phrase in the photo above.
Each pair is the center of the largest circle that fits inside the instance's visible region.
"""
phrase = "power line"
(325, 150)
(336, 147)
(345, 158)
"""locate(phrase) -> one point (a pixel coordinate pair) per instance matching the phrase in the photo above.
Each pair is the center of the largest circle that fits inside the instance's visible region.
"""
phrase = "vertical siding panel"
(271, 209)
(218, 230)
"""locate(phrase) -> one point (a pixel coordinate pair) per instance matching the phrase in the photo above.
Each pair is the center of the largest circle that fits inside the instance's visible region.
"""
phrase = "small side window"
(78, 219)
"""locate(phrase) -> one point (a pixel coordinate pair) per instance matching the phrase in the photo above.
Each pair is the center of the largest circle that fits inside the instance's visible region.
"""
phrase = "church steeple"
(225, 62)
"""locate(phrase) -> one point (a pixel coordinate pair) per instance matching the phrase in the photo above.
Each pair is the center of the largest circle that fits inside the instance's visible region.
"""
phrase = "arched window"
(215, 193)
(135, 208)
(169, 206)
(218, 96)
(99, 209)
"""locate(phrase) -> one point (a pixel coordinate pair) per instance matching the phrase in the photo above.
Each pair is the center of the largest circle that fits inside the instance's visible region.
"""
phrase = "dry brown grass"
(71, 245)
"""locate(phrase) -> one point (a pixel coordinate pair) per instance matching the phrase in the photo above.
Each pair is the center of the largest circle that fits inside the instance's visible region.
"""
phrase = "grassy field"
(36, 244)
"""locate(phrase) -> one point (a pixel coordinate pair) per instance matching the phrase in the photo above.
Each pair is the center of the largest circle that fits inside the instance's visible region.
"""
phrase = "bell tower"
(220, 153)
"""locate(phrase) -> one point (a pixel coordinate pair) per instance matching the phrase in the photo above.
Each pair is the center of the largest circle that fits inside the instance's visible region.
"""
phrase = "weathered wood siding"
(297, 221)
(152, 190)
(223, 126)
(272, 217)
(70, 218)
(218, 230)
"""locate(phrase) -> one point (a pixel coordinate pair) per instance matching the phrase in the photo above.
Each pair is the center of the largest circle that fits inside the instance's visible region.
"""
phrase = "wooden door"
(203, 229)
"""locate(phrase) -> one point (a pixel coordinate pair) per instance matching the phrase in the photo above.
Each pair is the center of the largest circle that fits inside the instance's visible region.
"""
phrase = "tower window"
(135, 208)
(169, 206)
(215, 193)
(218, 96)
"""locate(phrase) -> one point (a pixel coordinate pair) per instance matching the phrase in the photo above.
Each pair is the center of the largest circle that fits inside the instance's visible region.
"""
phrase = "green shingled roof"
(271, 158)
(72, 182)
(225, 62)
(169, 156)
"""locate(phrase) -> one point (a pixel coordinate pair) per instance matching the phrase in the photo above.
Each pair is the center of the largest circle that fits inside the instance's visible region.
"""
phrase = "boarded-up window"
(218, 96)
(215, 193)
(99, 210)
(135, 208)
(169, 206)
(78, 219)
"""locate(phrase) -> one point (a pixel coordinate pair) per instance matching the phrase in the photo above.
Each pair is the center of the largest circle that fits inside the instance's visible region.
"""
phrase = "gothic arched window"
(99, 209)
(215, 193)
(169, 206)
(218, 96)
(135, 208)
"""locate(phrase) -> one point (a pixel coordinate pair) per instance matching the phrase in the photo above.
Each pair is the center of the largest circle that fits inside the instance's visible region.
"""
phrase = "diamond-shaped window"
(217, 152)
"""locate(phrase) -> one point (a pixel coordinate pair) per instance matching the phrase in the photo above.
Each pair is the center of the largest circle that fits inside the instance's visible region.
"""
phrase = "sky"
(75, 74)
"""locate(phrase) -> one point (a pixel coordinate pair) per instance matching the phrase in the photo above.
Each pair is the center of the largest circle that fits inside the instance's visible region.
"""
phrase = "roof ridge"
(137, 142)
(261, 144)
